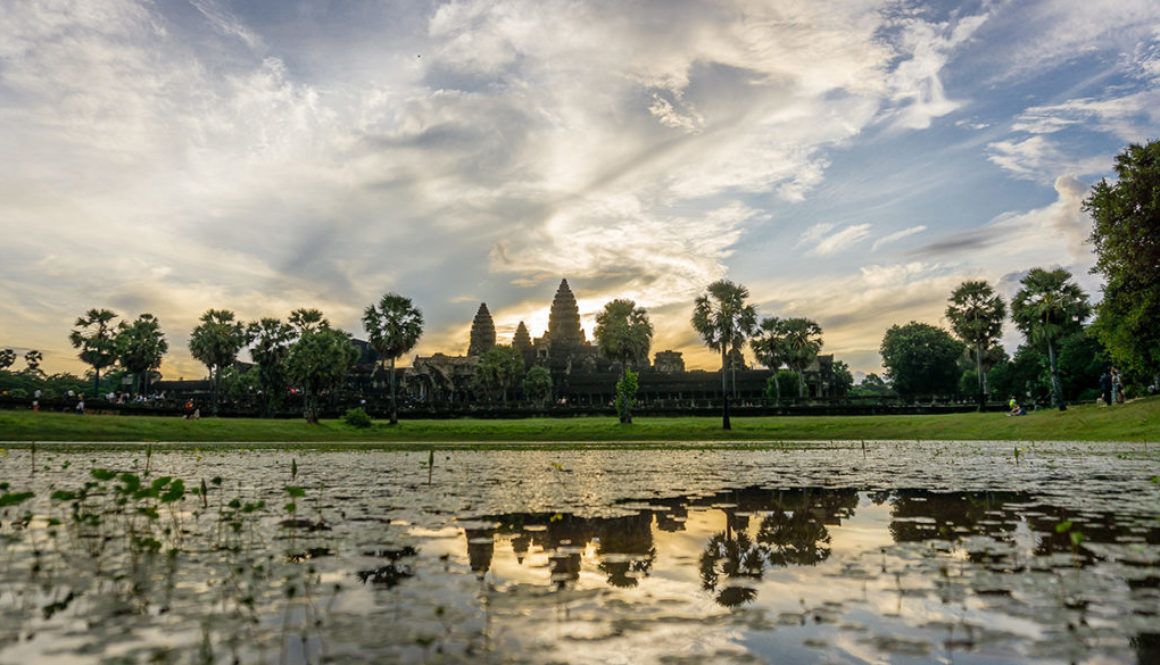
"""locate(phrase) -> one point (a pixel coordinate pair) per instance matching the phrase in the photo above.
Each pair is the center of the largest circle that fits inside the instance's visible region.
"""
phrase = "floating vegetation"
(904, 550)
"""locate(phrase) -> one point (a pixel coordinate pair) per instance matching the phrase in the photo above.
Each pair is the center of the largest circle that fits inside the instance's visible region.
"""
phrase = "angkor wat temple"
(580, 375)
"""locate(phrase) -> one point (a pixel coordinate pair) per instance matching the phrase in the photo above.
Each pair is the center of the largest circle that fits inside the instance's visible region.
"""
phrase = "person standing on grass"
(1106, 388)
(81, 404)
(1117, 387)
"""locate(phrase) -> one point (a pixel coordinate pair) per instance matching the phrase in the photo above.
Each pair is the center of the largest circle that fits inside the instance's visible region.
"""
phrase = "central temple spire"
(564, 331)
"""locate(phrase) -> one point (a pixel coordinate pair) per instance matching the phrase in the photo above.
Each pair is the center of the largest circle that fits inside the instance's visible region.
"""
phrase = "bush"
(357, 418)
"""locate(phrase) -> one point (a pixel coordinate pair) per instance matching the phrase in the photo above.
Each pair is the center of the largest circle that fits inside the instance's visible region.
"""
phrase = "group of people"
(1112, 387)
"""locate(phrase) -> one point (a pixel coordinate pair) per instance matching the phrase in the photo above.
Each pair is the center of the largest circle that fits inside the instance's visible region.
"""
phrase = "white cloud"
(1039, 158)
(897, 235)
(841, 240)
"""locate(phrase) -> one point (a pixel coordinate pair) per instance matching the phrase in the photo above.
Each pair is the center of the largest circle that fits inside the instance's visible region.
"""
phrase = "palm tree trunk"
(777, 385)
(1056, 387)
(801, 384)
(724, 392)
(96, 382)
(394, 405)
(979, 373)
(217, 379)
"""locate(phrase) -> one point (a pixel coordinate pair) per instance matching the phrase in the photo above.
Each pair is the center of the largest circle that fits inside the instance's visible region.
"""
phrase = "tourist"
(1106, 388)
(81, 404)
(36, 400)
(1016, 410)
(1117, 387)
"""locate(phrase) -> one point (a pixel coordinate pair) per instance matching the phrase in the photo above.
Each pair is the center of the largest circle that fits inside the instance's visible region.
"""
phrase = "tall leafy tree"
(32, 359)
(1126, 239)
(724, 321)
(271, 339)
(140, 347)
(319, 362)
(95, 339)
(976, 315)
(499, 370)
(770, 348)
(803, 340)
(7, 357)
(394, 327)
(215, 343)
(537, 384)
(921, 359)
(1048, 308)
(624, 334)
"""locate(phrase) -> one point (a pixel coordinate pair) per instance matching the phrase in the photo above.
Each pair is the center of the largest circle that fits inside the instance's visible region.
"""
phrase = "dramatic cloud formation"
(263, 156)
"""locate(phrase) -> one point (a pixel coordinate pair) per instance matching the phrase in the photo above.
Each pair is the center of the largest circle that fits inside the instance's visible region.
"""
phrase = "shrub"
(357, 418)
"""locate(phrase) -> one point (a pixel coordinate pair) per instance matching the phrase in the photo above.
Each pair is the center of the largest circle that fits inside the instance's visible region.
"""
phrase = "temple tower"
(564, 332)
(482, 332)
(522, 342)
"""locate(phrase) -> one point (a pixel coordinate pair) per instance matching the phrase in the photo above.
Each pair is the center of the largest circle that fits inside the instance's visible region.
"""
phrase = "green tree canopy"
(724, 321)
(976, 316)
(94, 337)
(623, 333)
(1126, 238)
(921, 359)
(537, 384)
(803, 341)
(499, 369)
(215, 343)
(140, 347)
(1048, 308)
(7, 357)
(394, 327)
(319, 362)
(271, 339)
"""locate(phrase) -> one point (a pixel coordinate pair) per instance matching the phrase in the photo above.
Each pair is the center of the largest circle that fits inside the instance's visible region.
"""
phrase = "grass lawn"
(1136, 421)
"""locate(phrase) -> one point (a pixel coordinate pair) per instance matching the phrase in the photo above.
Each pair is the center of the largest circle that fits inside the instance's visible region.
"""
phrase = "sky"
(849, 161)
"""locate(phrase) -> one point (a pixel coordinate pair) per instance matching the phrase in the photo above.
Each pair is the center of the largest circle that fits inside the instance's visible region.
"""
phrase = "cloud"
(1038, 158)
(839, 241)
(897, 235)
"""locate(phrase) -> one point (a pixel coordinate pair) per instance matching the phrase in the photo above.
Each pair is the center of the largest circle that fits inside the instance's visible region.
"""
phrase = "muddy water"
(898, 553)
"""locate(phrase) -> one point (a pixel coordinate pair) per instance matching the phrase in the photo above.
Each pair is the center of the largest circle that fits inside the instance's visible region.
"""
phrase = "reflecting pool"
(901, 552)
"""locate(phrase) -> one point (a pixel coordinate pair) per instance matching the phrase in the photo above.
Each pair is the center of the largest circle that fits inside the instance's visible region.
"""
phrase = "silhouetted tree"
(537, 385)
(803, 340)
(32, 360)
(623, 333)
(976, 316)
(94, 337)
(140, 347)
(770, 348)
(318, 362)
(7, 357)
(498, 370)
(215, 343)
(724, 321)
(394, 327)
(1048, 308)
(271, 339)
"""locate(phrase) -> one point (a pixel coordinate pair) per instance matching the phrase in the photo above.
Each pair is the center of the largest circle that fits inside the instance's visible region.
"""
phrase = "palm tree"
(94, 337)
(7, 357)
(1046, 309)
(976, 315)
(394, 328)
(623, 333)
(32, 362)
(271, 340)
(215, 343)
(724, 321)
(140, 346)
(803, 340)
(770, 348)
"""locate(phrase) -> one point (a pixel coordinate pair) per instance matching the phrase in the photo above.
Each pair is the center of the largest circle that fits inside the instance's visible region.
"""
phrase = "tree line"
(920, 359)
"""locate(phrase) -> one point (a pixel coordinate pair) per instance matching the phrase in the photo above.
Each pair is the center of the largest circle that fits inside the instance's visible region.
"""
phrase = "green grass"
(1137, 421)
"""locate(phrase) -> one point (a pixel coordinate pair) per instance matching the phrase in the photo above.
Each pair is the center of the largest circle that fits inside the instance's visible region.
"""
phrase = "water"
(902, 553)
